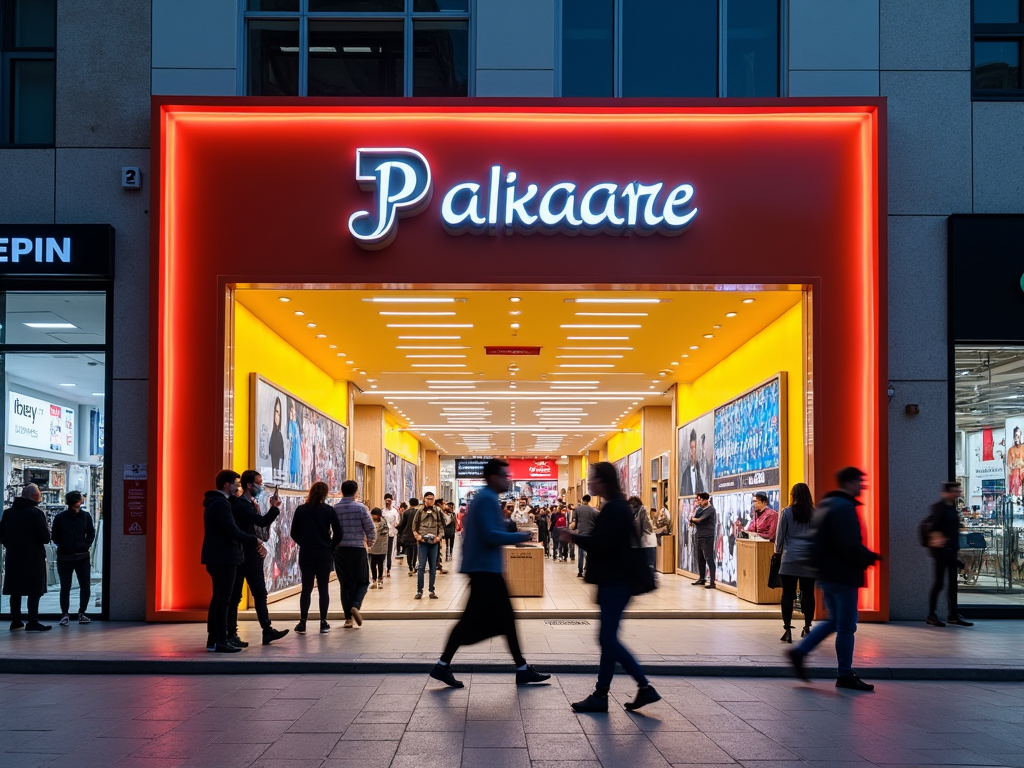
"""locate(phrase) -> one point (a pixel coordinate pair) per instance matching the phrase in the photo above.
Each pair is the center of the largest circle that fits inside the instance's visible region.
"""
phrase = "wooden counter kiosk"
(524, 570)
(753, 561)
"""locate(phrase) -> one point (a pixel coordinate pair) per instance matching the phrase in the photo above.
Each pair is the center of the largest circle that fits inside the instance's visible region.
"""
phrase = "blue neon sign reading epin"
(402, 183)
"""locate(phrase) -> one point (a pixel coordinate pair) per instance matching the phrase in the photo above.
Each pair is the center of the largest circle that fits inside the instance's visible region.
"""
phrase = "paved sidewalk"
(991, 650)
(408, 721)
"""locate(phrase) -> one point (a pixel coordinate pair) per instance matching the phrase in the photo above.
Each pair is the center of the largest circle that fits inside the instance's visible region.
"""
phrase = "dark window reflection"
(273, 5)
(440, 58)
(670, 48)
(752, 68)
(273, 66)
(996, 11)
(996, 65)
(588, 48)
(32, 101)
(34, 23)
(426, 6)
(356, 58)
(359, 6)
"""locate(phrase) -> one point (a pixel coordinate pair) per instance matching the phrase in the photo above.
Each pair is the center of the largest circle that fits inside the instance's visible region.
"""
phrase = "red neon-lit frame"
(251, 190)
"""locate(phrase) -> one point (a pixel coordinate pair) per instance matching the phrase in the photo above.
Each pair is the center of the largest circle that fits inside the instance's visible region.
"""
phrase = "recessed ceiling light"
(406, 300)
(321, 335)
(515, 312)
(674, 362)
(349, 362)
(299, 312)
(513, 325)
(283, 298)
(430, 338)
(748, 301)
(49, 325)
(662, 373)
(67, 384)
(694, 346)
(717, 327)
(373, 386)
(709, 335)
(600, 326)
(684, 355)
(333, 346)
(514, 299)
(730, 314)
(615, 301)
(311, 325)
(655, 381)
(416, 314)
(430, 325)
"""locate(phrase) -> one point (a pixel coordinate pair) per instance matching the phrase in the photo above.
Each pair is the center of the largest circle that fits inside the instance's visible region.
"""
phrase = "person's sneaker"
(530, 675)
(237, 642)
(698, 583)
(595, 702)
(270, 635)
(411, 574)
(357, 616)
(226, 648)
(373, 585)
(433, 595)
(644, 696)
(300, 628)
(211, 645)
(83, 619)
(853, 683)
(443, 672)
(419, 596)
(797, 660)
(65, 620)
(709, 585)
(35, 626)
(960, 621)
(324, 627)
(933, 621)
(17, 624)
(388, 574)
(348, 624)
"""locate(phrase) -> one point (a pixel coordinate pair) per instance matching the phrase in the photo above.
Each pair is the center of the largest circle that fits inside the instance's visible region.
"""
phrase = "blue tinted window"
(752, 49)
(996, 11)
(670, 48)
(588, 48)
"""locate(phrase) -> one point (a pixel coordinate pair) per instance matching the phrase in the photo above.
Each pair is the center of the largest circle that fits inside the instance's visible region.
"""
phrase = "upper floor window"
(28, 74)
(692, 48)
(997, 35)
(357, 47)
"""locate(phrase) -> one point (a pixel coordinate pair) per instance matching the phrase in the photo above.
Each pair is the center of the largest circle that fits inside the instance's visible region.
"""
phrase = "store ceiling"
(603, 355)
(989, 386)
(76, 317)
(75, 378)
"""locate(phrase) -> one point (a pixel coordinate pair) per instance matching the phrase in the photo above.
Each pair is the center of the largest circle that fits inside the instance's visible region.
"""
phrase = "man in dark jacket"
(247, 515)
(943, 526)
(408, 537)
(584, 518)
(222, 554)
(703, 523)
(73, 533)
(841, 559)
(24, 534)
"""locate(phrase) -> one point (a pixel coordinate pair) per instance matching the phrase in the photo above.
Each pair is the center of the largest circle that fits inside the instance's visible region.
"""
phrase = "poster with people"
(748, 432)
(986, 469)
(294, 444)
(408, 479)
(735, 511)
(622, 470)
(1015, 457)
(281, 565)
(687, 550)
(391, 477)
(696, 452)
(635, 473)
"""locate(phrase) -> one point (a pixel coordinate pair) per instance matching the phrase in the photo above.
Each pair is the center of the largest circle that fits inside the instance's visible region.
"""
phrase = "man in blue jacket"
(489, 609)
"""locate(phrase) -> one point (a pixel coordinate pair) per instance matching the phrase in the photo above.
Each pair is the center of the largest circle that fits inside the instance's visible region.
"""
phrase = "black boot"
(595, 702)
(787, 636)
(644, 696)
(807, 630)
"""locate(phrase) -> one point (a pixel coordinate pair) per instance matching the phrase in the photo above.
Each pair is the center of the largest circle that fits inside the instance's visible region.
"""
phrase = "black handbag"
(774, 579)
(641, 576)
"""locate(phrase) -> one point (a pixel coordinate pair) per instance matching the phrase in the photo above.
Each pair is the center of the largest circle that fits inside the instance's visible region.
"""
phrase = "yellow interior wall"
(625, 443)
(259, 350)
(779, 347)
(403, 444)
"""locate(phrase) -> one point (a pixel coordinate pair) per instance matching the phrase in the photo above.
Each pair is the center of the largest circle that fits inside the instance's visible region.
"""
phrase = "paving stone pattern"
(409, 721)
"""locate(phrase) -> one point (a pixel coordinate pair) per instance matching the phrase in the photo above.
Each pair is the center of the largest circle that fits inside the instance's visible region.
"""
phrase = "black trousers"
(353, 576)
(944, 568)
(392, 541)
(320, 572)
(410, 555)
(223, 577)
(81, 569)
(789, 584)
(249, 571)
(488, 614)
(705, 546)
(377, 567)
(33, 607)
(449, 545)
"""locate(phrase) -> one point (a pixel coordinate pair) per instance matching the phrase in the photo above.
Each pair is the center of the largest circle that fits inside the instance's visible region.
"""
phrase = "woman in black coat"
(315, 528)
(24, 534)
(608, 562)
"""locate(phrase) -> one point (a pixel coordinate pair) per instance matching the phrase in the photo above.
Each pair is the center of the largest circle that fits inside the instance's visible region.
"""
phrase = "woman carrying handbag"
(793, 543)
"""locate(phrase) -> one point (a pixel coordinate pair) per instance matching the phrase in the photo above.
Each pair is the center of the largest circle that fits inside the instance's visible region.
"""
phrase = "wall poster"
(695, 444)
(635, 473)
(391, 480)
(408, 480)
(293, 443)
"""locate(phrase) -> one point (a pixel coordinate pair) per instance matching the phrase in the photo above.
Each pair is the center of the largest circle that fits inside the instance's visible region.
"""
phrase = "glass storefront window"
(989, 462)
(45, 317)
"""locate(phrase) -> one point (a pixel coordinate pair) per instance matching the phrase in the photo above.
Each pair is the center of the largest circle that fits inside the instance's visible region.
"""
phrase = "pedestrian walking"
(585, 517)
(543, 520)
(73, 532)
(350, 563)
(488, 611)
(558, 527)
(428, 529)
(246, 510)
(24, 535)
(222, 554)
(841, 560)
(316, 530)
(702, 521)
(793, 545)
(608, 560)
(378, 550)
(408, 538)
(941, 531)
(391, 516)
(449, 531)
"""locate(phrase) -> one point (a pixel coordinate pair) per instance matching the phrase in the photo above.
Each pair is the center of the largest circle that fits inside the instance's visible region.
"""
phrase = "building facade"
(955, 145)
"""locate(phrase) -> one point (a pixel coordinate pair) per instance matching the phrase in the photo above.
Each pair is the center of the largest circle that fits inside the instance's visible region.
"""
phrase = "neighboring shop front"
(55, 331)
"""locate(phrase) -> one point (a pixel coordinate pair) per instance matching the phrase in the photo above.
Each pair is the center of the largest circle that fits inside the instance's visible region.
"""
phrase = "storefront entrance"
(694, 293)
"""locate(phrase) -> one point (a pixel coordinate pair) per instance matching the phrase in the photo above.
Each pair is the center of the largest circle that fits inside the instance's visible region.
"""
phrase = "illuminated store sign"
(68, 250)
(38, 424)
(402, 184)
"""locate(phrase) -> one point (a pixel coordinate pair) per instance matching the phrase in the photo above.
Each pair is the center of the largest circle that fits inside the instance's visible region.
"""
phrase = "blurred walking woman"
(315, 528)
(608, 551)
(793, 541)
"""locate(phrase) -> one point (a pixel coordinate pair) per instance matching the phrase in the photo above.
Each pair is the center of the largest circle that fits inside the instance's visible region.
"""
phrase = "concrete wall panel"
(998, 157)
(833, 34)
(833, 82)
(515, 35)
(194, 82)
(925, 34)
(196, 34)
(515, 82)
(26, 186)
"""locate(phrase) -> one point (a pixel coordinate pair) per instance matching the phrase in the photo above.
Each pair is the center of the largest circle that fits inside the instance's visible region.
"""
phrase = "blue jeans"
(427, 556)
(841, 603)
(612, 599)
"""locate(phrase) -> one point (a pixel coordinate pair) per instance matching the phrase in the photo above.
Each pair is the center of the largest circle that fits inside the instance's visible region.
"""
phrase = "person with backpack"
(940, 533)
(841, 559)
(793, 546)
